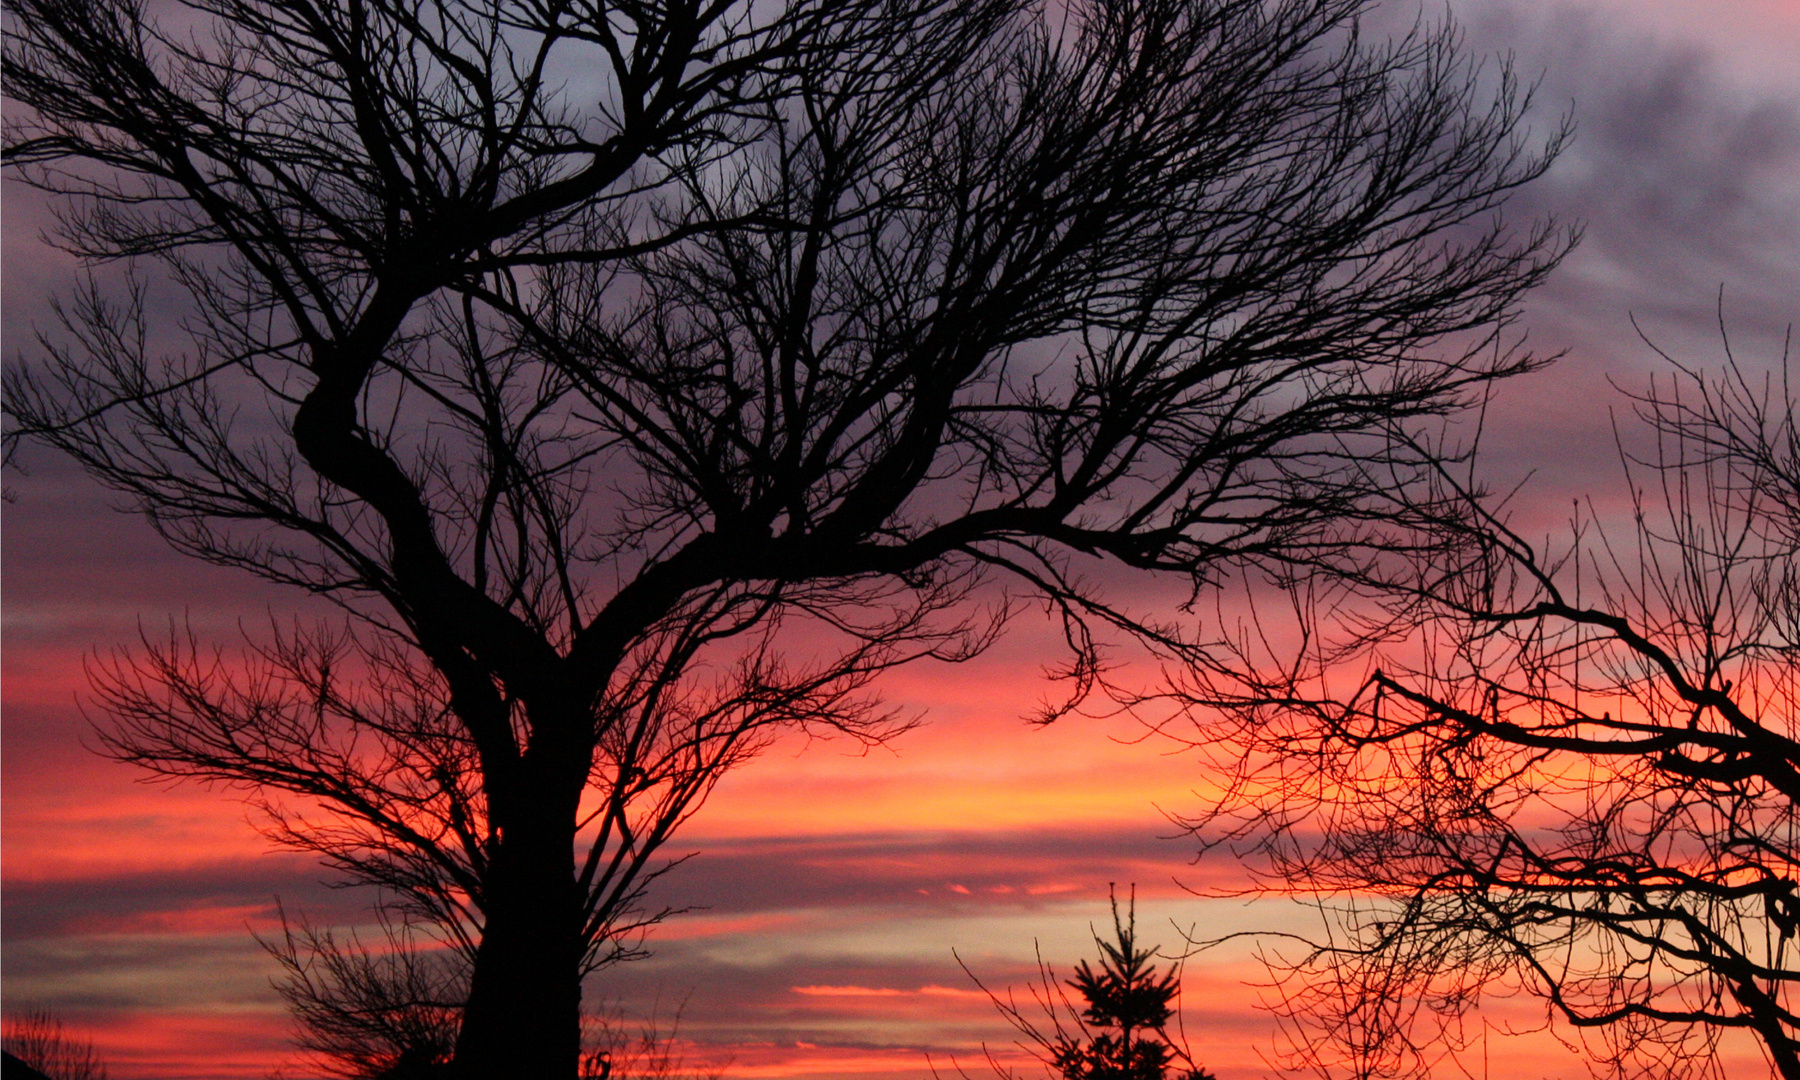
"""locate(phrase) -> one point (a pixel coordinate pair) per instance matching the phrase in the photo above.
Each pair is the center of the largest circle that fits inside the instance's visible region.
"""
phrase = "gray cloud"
(1683, 176)
(913, 875)
(123, 973)
(165, 900)
(949, 874)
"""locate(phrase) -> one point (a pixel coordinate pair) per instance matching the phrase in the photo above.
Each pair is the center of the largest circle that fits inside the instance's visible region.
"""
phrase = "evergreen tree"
(1120, 1032)
(1130, 1003)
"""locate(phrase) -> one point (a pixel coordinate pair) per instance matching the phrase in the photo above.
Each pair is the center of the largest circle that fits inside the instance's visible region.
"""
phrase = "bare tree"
(40, 1041)
(599, 360)
(382, 1011)
(1568, 770)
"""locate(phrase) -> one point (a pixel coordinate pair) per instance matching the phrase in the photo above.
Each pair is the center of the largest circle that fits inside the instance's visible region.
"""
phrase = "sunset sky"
(833, 885)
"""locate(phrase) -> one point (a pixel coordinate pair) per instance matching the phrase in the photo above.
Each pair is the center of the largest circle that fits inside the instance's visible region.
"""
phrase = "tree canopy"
(643, 379)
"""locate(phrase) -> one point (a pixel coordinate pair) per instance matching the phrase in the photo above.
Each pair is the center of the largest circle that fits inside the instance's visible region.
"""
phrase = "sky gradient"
(833, 885)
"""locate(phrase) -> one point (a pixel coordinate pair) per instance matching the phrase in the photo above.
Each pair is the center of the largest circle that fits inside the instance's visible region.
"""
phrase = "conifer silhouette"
(1121, 1029)
(1131, 1003)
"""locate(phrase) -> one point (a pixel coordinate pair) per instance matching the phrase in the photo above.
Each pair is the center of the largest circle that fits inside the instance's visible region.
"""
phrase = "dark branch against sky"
(1686, 173)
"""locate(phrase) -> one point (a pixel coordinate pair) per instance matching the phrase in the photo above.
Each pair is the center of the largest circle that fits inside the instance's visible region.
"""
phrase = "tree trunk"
(523, 1016)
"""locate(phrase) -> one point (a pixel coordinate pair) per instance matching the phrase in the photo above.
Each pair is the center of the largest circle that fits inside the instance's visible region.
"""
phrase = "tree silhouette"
(1120, 1031)
(1127, 996)
(635, 417)
(38, 1041)
(1571, 771)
